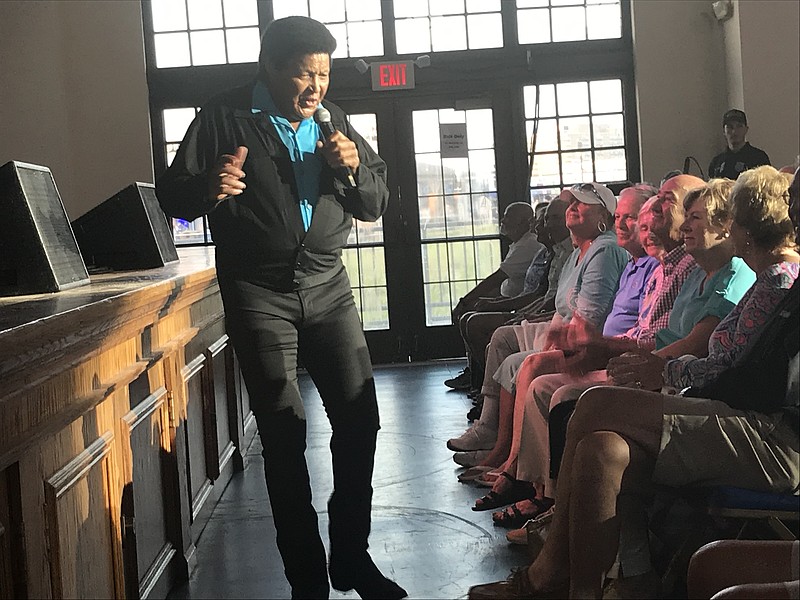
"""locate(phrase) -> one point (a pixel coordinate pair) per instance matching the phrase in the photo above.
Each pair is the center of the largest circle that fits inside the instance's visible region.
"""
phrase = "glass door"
(440, 235)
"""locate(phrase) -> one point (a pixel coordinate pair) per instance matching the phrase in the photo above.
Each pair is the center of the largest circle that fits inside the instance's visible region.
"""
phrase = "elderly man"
(739, 156)
(286, 292)
(508, 281)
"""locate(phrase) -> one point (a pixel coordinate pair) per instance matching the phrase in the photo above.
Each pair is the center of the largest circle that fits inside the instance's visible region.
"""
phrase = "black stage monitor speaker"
(127, 231)
(38, 252)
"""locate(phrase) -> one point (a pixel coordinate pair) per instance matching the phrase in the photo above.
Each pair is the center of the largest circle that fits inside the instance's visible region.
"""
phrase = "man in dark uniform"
(279, 234)
(740, 155)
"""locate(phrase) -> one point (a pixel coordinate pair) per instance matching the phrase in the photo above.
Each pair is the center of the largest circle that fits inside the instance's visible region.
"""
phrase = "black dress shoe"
(365, 578)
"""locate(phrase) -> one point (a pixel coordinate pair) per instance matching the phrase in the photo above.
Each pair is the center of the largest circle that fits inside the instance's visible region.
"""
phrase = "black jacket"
(259, 234)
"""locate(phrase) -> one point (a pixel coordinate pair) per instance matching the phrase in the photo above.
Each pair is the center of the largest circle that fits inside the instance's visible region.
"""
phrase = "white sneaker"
(474, 438)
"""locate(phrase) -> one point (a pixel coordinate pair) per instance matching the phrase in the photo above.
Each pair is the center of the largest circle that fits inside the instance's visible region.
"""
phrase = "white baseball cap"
(591, 193)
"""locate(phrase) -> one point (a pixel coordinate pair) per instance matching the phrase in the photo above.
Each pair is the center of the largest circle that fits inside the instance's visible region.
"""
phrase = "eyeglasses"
(589, 188)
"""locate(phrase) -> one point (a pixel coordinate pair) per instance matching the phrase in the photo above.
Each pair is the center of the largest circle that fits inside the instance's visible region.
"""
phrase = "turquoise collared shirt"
(302, 146)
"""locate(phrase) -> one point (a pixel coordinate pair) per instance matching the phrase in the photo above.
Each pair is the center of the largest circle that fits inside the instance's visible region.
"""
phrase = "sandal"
(520, 490)
(513, 517)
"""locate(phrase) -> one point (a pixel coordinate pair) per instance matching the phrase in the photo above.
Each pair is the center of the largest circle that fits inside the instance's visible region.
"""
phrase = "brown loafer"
(517, 586)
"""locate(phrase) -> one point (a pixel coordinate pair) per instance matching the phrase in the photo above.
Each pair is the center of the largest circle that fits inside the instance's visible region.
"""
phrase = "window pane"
(574, 133)
(455, 172)
(205, 14)
(611, 165)
(431, 217)
(546, 136)
(188, 232)
(365, 39)
(289, 8)
(169, 15)
(327, 11)
(366, 10)
(374, 308)
(350, 260)
(482, 6)
(547, 101)
(410, 8)
(609, 130)
(448, 33)
(458, 215)
(366, 124)
(434, 263)
(426, 131)
(606, 96)
(487, 257)
(544, 195)
(373, 266)
(479, 129)
(533, 26)
(576, 167)
(208, 47)
(484, 214)
(437, 304)
(573, 98)
(429, 174)
(243, 44)
(240, 13)
(172, 150)
(172, 50)
(569, 24)
(531, 3)
(339, 31)
(485, 31)
(545, 170)
(604, 21)
(176, 122)
(462, 260)
(482, 170)
(446, 7)
(412, 36)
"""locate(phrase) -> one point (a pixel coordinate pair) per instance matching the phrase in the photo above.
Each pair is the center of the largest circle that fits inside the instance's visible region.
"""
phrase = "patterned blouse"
(735, 332)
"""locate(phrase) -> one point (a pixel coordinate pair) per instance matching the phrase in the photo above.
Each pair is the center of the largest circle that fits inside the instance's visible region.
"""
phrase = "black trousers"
(320, 325)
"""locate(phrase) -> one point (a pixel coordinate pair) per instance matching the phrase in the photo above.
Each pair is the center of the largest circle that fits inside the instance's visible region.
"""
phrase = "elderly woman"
(586, 286)
(741, 429)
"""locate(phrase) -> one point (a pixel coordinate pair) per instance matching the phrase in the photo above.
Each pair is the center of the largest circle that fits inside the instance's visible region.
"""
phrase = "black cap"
(734, 114)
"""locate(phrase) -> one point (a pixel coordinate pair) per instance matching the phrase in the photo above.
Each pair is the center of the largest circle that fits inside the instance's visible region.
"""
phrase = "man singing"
(279, 234)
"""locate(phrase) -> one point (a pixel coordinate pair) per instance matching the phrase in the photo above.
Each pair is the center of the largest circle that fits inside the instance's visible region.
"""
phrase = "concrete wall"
(73, 95)
(681, 84)
(770, 34)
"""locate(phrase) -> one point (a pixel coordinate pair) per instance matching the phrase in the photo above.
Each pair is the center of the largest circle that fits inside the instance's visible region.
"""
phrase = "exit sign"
(392, 75)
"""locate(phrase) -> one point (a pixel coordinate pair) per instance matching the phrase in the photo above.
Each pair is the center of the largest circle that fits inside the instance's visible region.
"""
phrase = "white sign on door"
(453, 140)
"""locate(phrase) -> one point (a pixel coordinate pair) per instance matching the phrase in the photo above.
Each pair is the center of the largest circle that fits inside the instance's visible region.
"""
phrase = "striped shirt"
(660, 294)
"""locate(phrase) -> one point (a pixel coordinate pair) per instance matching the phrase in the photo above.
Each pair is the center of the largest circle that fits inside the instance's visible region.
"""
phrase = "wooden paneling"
(121, 421)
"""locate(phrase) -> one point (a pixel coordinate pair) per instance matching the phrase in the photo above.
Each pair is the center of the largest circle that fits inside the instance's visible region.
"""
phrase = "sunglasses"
(589, 188)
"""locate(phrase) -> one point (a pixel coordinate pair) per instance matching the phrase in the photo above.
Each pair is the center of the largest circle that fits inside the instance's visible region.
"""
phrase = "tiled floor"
(424, 533)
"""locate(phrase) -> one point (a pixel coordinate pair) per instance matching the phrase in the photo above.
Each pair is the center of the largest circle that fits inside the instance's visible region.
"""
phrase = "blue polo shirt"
(628, 301)
(302, 146)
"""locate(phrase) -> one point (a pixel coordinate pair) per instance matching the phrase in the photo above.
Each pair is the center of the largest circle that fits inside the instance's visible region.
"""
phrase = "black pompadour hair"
(293, 36)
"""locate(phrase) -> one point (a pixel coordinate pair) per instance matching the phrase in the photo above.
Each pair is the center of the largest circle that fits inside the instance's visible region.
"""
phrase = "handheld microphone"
(323, 118)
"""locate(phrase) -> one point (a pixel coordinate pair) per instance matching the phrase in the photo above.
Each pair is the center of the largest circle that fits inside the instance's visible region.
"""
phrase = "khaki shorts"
(708, 443)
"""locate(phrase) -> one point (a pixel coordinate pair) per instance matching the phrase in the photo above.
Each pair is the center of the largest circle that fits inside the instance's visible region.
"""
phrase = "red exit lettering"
(392, 75)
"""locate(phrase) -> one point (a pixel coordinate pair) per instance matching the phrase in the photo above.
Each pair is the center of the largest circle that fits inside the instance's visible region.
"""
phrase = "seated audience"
(723, 279)
(587, 285)
(740, 429)
(477, 326)
(509, 279)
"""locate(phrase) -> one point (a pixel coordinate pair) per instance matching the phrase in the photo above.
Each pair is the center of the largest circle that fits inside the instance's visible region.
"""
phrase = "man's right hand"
(225, 177)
